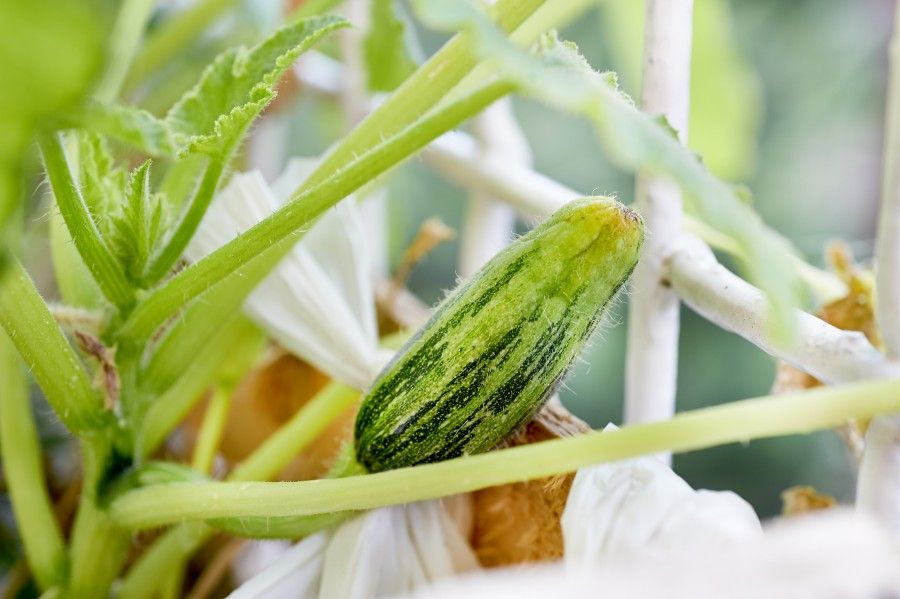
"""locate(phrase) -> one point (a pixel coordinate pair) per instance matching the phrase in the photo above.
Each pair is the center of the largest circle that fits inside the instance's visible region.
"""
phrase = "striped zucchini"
(496, 347)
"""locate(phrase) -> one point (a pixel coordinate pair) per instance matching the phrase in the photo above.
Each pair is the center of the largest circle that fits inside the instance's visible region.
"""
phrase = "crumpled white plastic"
(383, 552)
(319, 302)
(641, 504)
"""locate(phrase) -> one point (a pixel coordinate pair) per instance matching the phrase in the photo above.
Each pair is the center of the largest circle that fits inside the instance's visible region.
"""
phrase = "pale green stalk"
(283, 446)
(48, 355)
(211, 430)
(735, 422)
(420, 92)
(24, 473)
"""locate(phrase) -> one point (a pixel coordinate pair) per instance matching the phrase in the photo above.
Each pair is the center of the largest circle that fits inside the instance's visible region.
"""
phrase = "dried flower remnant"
(804, 499)
(520, 522)
(853, 312)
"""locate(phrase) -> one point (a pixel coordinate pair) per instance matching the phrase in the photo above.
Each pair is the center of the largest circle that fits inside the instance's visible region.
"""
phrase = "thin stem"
(254, 253)
(456, 156)
(214, 420)
(24, 473)
(175, 244)
(887, 254)
(190, 334)
(94, 252)
(48, 355)
(124, 41)
(740, 421)
(653, 312)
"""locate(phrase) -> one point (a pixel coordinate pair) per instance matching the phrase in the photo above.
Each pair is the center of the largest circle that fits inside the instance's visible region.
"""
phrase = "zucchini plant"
(141, 150)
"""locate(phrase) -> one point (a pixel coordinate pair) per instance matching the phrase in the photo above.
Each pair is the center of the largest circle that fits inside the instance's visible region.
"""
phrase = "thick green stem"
(94, 251)
(48, 355)
(254, 253)
(99, 545)
(736, 422)
(187, 225)
(24, 473)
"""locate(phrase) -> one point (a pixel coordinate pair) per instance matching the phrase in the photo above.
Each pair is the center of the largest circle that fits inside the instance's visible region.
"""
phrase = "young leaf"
(212, 117)
(101, 182)
(136, 227)
(387, 61)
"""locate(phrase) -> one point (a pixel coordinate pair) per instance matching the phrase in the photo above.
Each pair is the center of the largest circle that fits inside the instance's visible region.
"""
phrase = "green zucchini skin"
(497, 346)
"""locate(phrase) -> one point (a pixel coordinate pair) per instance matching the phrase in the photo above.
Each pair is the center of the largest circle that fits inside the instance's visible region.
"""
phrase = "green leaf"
(387, 61)
(137, 226)
(212, 117)
(129, 124)
(560, 76)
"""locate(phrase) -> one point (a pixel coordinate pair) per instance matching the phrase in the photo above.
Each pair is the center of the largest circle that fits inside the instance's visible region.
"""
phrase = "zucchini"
(497, 346)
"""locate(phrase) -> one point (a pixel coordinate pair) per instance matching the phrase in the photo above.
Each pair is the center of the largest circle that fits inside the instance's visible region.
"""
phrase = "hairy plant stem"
(48, 355)
(739, 421)
(266, 462)
(254, 253)
(174, 245)
(90, 244)
(24, 474)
